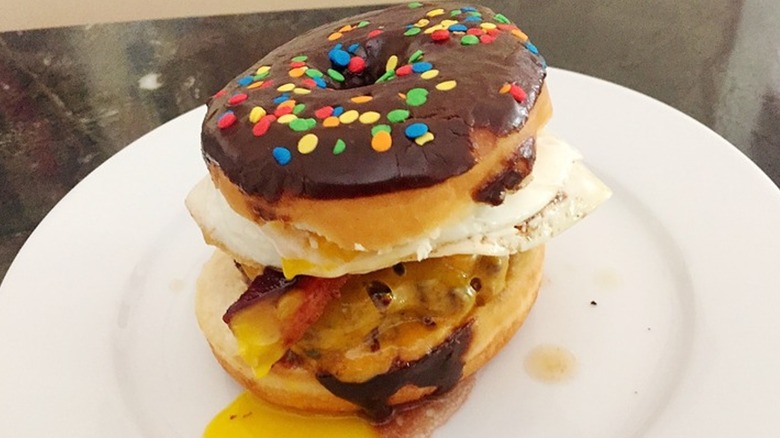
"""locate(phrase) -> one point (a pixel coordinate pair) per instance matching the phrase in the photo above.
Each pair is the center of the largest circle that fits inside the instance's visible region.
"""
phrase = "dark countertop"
(72, 97)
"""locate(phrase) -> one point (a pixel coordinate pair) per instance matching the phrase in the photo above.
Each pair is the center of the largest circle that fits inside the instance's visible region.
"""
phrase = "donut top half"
(376, 103)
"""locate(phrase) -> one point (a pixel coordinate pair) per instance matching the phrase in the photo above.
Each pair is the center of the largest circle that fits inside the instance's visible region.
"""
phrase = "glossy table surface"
(72, 97)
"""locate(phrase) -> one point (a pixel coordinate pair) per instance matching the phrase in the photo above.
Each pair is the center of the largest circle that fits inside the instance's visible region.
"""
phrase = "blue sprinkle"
(246, 80)
(409, 26)
(457, 28)
(421, 67)
(353, 48)
(282, 155)
(472, 18)
(321, 82)
(281, 98)
(339, 57)
(531, 48)
(416, 129)
(468, 9)
(337, 111)
(338, 46)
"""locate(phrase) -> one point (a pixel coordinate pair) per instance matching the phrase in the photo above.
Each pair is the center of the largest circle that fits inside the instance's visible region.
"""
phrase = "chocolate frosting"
(479, 100)
(442, 368)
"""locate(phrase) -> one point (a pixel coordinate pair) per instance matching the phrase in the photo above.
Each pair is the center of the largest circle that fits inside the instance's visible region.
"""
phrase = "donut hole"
(376, 52)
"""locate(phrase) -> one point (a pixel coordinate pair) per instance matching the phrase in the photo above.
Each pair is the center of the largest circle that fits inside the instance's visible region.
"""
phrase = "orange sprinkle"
(382, 141)
(254, 85)
(346, 28)
(505, 88)
(334, 36)
(402, 96)
(361, 99)
(297, 72)
(331, 122)
(520, 34)
(290, 103)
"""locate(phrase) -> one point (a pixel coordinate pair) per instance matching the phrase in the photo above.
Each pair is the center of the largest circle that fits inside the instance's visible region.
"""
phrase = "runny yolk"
(251, 417)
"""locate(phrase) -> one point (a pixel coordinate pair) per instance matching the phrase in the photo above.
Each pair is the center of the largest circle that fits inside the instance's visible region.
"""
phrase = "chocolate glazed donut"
(377, 103)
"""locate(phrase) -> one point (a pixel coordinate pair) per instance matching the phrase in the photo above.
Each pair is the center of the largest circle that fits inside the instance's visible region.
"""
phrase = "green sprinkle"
(386, 76)
(311, 122)
(476, 14)
(299, 125)
(313, 73)
(297, 109)
(260, 76)
(361, 24)
(413, 5)
(300, 58)
(379, 128)
(415, 56)
(416, 96)
(336, 76)
(469, 40)
(501, 19)
(339, 147)
(455, 12)
(412, 31)
(398, 115)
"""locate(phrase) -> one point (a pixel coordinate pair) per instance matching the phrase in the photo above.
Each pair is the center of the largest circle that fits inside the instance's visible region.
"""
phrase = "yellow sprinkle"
(434, 13)
(345, 28)
(446, 85)
(307, 143)
(369, 117)
(487, 26)
(287, 118)
(263, 69)
(520, 34)
(505, 88)
(348, 117)
(433, 29)
(289, 103)
(334, 36)
(254, 85)
(301, 90)
(425, 138)
(381, 141)
(392, 63)
(361, 99)
(448, 23)
(331, 122)
(286, 87)
(297, 72)
(422, 22)
(430, 74)
(256, 114)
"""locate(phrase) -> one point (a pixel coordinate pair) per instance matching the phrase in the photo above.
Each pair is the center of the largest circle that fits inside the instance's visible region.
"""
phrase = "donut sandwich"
(379, 193)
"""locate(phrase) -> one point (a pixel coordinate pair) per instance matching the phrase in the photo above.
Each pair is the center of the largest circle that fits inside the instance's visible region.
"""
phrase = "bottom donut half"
(489, 323)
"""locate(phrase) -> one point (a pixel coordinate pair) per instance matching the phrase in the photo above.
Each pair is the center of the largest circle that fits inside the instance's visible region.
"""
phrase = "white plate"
(98, 337)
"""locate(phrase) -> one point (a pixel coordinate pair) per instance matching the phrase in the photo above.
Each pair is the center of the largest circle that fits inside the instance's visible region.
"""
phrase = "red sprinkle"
(493, 32)
(373, 33)
(475, 31)
(486, 39)
(282, 110)
(220, 93)
(309, 83)
(237, 98)
(404, 70)
(356, 64)
(506, 26)
(296, 64)
(440, 35)
(518, 93)
(324, 112)
(226, 120)
(267, 83)
(261, 127)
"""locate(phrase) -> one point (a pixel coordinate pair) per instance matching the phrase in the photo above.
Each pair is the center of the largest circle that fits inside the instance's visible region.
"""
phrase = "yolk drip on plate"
(251, 417)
